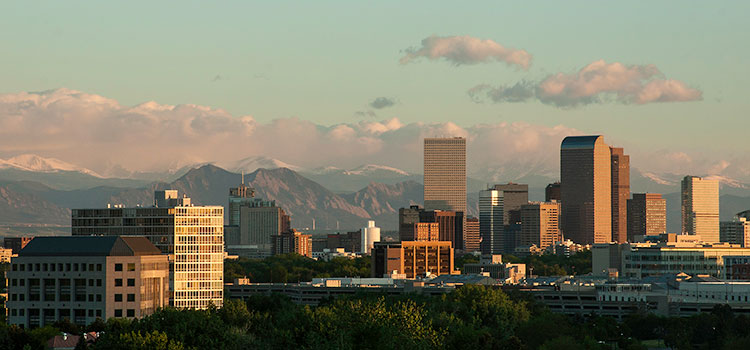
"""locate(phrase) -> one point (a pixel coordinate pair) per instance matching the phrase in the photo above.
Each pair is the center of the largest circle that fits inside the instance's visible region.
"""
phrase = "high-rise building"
(445, 174)
(514, 196)
(350, 241)
(450, 225)
(84, 278)
(647, 215)
(370, 235)
(540, 224)
(252, 222)
(620, 169)
(491, 221)
(192, 235)
(471, 235)
(291, 241)
(736, 231)
(552, 192)
(412, 258)
(420, 231)
(700, 208)
(586, 189)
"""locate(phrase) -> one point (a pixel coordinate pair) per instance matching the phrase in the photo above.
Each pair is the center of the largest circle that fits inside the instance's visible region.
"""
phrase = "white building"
(370, 235)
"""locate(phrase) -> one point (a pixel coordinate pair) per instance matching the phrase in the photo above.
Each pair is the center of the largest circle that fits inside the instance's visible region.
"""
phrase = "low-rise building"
(292, 241)
(493, 266)
(413, 258)
(85, 278)
(736, 231)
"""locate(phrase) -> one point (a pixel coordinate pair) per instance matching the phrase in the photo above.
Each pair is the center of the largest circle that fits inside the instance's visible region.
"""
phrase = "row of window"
(61, 267)
(131, 267)
(130, 297)
(83, 297)
(64, 283)
(64, 313)
(130, 281)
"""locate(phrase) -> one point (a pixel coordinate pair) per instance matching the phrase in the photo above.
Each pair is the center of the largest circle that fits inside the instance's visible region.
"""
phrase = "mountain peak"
(35, 163)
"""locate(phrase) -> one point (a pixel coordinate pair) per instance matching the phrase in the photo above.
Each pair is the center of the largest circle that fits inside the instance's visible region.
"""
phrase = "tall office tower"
(552, 192)
(540, 224)
(445, 174)
(407, 217)
(491, 221)
(420, 231)
(647, 215)
(514, 196)
(620, 169)
(586, 189)
(700, 208)
(243, 195)
(193, 236)
(471, 235)
(736, 231)
(252, 222)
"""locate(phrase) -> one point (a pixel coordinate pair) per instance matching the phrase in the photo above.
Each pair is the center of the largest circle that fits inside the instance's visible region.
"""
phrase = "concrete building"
(552, 192)
(620, 169)
(491, 222)
(586, 189)
(5, 255)
(672, 254)
(251, 223)
(193, 237)
(737, 267)
(420, 231)
(16, 243)
(370, 235)
(540, 224)
(471, 235)
(493, 266)
(412, 259)
(700, 208)
(85, 278)
(514, 196)
(445, 174)
(647, 215)
(292, 242)
(736, 231)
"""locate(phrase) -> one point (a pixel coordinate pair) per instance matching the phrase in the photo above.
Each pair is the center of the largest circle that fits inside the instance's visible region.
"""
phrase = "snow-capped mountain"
(250, 164)
(376, 170)
(35, 163)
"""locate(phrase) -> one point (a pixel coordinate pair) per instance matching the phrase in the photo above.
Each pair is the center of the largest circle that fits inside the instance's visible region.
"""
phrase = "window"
(91, 313)
(118, 313)
(118, 267)
(98, 267)
(91, 267)
(98, 313)
(98, 282)
(118, 297)
(98, 297)
(131, 297)
(91, 283)
(91, 298)
(131, 312)
(118, 282)
(131, 266)
(131, 282)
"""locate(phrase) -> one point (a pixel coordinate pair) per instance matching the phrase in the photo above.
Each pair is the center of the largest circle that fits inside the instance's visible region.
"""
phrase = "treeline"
(554, 265)
(294, 268)
(471, 317)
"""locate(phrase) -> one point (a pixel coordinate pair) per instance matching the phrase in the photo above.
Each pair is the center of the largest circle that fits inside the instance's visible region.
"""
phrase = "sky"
(668, 82)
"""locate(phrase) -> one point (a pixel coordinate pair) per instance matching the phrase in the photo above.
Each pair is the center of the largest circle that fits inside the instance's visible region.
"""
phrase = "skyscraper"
(700, 208)
(471, 235)
(445, 174)
(540, 224)
(736, 231)
(552, 192)
(252, 222)
(491, 221)
(647, 215)
(620, 193)
(586, 189)
(514, 196)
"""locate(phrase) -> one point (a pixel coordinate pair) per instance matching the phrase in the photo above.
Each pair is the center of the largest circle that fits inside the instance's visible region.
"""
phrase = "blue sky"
(324, 61)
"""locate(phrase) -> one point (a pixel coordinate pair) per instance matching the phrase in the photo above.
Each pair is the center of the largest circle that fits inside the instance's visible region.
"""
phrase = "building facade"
(412, 258)
(540, 225)
(84, 278)
(620, 169)
(15, 244)
(514, 196)
(292, 242)
(700, 208)
(736, 231)
(193, 237)
(647, 215)
(450, 225)
(586, 189)
(471, 235)
(420, 231)
(491, 225)
(370, 235)
(552, 192)
(445, 174)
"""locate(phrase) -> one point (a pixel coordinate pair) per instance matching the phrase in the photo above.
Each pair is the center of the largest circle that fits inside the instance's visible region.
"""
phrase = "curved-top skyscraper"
(586, 189)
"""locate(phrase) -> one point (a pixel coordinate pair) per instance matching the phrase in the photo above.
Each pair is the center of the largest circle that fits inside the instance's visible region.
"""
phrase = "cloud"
(217, 77)
(369, 114)
(466, 50)
(598, 82)
(382, 102)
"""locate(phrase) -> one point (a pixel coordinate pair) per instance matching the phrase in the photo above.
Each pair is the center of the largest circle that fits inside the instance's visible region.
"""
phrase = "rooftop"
(89, 246)
(579, 142)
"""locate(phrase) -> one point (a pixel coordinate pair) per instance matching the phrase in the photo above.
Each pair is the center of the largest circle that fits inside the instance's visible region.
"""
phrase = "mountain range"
(41, 191)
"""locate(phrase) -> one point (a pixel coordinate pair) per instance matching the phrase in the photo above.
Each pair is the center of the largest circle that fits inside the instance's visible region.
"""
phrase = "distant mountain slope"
(26, 208)
(382, 201)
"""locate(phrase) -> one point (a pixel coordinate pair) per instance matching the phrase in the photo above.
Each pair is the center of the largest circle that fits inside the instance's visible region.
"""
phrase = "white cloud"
(598, 82)
(466, 50)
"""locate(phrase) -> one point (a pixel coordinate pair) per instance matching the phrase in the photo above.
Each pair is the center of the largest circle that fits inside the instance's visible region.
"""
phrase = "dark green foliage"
(553, 265)
(294, 268)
